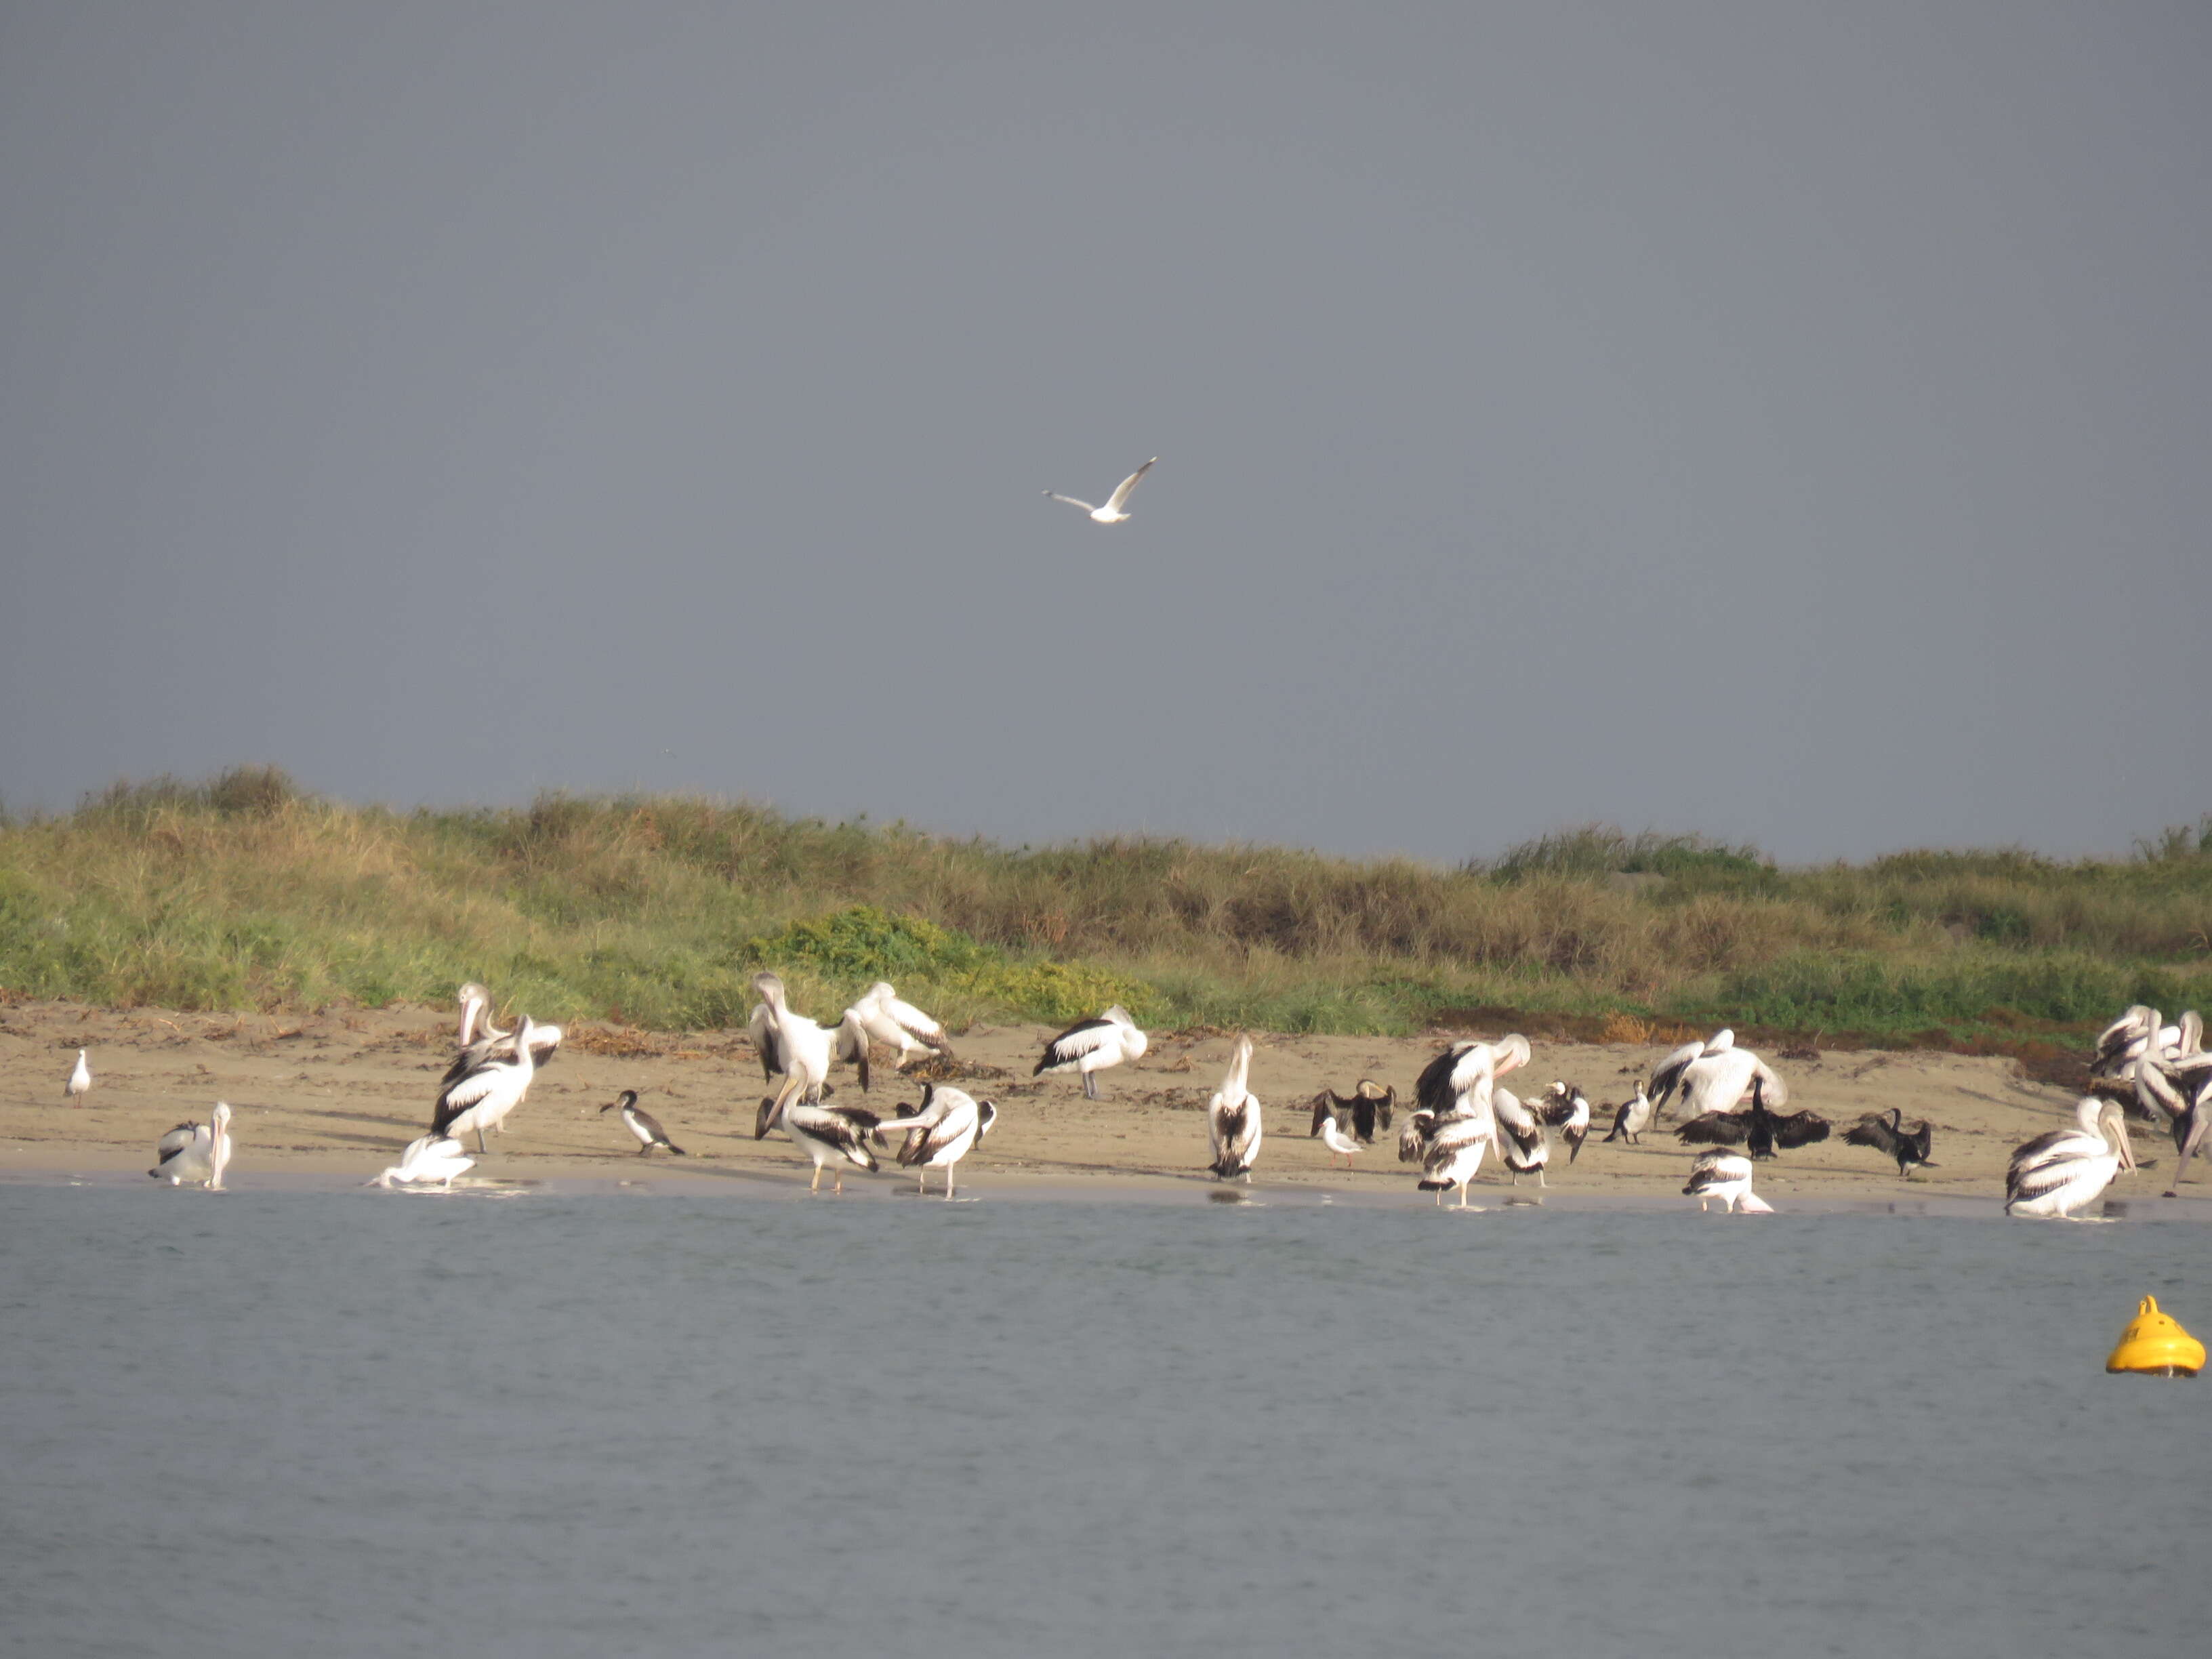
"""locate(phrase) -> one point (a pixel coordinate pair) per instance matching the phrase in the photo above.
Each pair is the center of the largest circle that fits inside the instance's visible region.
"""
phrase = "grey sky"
(1784, 420)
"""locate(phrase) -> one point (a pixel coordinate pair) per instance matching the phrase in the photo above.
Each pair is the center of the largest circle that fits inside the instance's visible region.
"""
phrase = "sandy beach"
(339, 1093)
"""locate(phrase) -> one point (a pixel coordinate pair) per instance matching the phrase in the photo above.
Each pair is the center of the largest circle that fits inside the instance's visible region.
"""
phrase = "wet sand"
(326, 1097)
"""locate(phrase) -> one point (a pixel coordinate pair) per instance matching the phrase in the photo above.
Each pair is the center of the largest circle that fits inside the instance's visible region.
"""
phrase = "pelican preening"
(80, 1082)
(482, 1096)
(1466, 1071)
(1092, 1045)
(1112, 512)
(824, 1133)
(1522, 1145)
(1886, 1132)
(2175, 1089)
(472, 1049)
(2056, 1174)
(2141, 1033)
(431, 1158)
(198, 1152)
(1567, 1108)
(941, 1132)
(802, 1048)
(643, 1124)
(1670, 1072)
(1725, 1176)
(1232, 1119)
(1451, 1153)
(1367, 1109)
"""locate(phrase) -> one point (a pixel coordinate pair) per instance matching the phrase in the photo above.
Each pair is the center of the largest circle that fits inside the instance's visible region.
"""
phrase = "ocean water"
(340, 1423)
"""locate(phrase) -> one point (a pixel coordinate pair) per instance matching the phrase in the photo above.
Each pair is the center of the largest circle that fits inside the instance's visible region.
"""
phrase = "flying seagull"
(1111, 513)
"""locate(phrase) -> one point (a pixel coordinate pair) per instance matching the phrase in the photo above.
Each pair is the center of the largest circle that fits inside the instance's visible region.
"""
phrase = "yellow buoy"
(2154, 1342)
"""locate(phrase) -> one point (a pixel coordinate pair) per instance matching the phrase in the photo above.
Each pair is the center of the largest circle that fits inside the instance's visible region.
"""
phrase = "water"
(366, 1423)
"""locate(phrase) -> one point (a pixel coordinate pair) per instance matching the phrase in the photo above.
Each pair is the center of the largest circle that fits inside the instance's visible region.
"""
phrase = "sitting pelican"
(428, 1157)
(2058, 1173)
(1092, 1045)
(643, 1124)
(1725, 1176)
(1112, 512)
(197, 1152)
(481, 1097)
(1886, 1132)
(1340, 1144)
(80, 1082)
(1633, 1118)
(942, 1132)
(1232, 1119)
(882, 1018)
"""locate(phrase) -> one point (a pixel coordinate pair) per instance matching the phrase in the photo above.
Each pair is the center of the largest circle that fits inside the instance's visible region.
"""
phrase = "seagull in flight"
(1111, 513)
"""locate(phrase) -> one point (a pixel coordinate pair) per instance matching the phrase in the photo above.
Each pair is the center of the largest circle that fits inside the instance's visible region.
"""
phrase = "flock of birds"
(1729, 1098)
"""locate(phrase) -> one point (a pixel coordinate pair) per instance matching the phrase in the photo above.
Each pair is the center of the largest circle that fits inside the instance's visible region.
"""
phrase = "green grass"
(241, 892)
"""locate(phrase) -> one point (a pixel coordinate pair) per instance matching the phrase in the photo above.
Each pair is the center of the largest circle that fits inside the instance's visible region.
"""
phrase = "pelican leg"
(1090, 1085)
(481, 1149)
(1540, 1181)
(815, 1185)
(948, 1181)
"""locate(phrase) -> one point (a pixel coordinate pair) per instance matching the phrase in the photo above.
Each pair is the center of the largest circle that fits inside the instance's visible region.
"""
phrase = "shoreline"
(326, 1101)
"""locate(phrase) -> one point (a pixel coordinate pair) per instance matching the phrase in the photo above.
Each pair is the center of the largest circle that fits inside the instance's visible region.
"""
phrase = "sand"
(338, 1094)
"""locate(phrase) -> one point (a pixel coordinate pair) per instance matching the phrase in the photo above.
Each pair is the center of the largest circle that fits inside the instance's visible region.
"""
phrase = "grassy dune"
(241, 892)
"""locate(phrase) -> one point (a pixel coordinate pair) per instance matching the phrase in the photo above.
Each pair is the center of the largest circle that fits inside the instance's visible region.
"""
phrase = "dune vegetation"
(244, 892)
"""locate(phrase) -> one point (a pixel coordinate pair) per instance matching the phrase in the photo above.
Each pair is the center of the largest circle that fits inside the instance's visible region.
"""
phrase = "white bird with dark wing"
(1452, 1155)
(1232, 1119)
(830, 1135)
(944, 1129)
(643, 1124)
(803, 1048)
(1725, 1176)
(80, 1082)
(1522, 1145)
(493, 1043)
(480, 1098)
(2056, 1174)
(1633, 1118)
(1567, 1108)
(198, 1152)
(1461, 1077)
(2180, 1095)
(431, 1158)
(1092, 1045)
(1113, 512)
(1668, 1076)
(897, 1025)
(1715, 1081)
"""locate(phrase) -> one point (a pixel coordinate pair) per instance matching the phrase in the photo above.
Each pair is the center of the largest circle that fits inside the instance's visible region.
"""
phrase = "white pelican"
(2180, 1094)
(643, 1124)
(1668, 1077)
(1633, 1118)
(1460, 1077)
(428, 1157)
(1340, 1144)
(1453, 1151)
(2058, 1173)
(1725, 1176)
(493, 1043)
(1232, 1119)
(1092, 1045)
(1111, 513)
(942, 1130)
(481, 1097)
(80, 1082)
(1522, 1145)
(196, 1151)
(1715, 1082)
(823, 1133)
(1886, 1132)
(897, 1025)
(802, 1047)
(760, 1025)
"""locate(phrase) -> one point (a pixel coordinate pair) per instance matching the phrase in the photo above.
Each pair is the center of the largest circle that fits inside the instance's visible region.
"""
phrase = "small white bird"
(1340, 1144)
(1111, 513)
(197, 1152)
(80, 1083)
(428, 1157)
(1232, 1119)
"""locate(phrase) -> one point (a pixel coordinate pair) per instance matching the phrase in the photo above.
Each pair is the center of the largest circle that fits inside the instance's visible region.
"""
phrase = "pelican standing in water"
(1092, 1045)
(198, 1152)
(1232, 1119)
(2056, 1174)
(431, 1158)
(827, 1134)
(1112, 512)
(643, 1124)
(1725, 1176)
(80, 1082)
(942, 1131)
